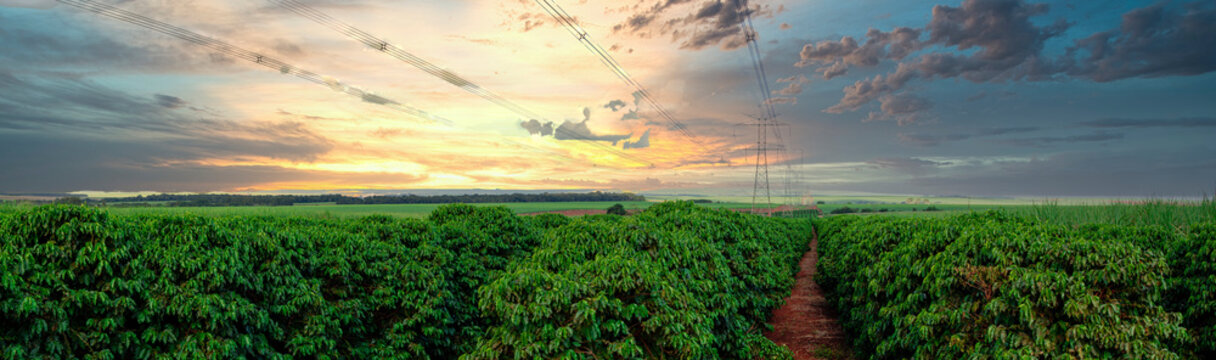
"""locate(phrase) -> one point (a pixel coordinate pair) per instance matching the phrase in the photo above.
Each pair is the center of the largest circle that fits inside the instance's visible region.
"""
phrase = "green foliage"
(994, 286)
(1193, 290)
(617, 209)
(676, 281)
(679, 281)
(82, 284)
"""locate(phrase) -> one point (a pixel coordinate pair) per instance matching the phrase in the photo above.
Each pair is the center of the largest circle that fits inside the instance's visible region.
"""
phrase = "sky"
(974, 97)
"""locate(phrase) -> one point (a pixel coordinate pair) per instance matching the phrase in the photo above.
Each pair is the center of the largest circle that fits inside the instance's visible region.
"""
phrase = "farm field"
(474, 282)
(1114, 281)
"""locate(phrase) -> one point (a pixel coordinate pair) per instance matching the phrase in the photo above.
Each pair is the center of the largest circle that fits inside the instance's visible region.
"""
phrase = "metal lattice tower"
(761, 188)
(761, 165)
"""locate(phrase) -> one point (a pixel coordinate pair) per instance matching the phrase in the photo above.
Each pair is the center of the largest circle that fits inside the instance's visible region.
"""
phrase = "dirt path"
(806, 324)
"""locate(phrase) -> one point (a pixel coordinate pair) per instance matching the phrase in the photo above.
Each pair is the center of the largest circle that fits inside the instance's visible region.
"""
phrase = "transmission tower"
(761, 189)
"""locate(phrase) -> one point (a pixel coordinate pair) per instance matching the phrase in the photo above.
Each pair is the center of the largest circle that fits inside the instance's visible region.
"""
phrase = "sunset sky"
(975, 97)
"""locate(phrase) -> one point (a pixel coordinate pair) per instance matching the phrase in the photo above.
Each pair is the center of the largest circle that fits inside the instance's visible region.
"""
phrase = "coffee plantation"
(675, 281)
(995, 286)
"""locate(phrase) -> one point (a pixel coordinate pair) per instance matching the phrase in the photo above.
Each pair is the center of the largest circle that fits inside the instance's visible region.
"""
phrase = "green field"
(1113, 280)
(397, 210)
(467, 282)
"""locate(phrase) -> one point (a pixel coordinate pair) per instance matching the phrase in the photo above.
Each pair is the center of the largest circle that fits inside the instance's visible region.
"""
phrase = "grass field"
(399, 210)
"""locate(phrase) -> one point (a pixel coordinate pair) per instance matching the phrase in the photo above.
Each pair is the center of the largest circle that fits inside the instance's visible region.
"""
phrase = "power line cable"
(251, 56)
(267, 61)
(572, 26)
(454, 79)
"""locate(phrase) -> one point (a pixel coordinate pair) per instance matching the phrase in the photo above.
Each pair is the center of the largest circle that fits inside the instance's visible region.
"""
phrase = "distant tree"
(932, 208)
(820, 202)
(70, 200)
(617, 209)
(844, 210)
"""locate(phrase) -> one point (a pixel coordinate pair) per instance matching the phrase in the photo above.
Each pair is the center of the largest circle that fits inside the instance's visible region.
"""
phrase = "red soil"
(579, 212)
(806, 324)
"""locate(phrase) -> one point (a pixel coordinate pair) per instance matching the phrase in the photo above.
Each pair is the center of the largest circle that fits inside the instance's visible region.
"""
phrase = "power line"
(388, 48)
(571, 25)
(265, 61)
(769, 117)
(251, 56)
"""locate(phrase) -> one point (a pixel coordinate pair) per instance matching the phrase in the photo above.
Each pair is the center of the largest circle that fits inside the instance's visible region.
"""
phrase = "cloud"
(68, 105)
(535, 127)
(55, 163)
(1048, 140)
(573, 130)
(694, 24)
(929, 140)
(169, 101)
(1112, 172)
(905, 109)
(783, 100)
(631, 115)
(30, 4)
(1152, 123)
(907, 164)
(998, 40)
(1154, 41)
(53, 41)
(55, 127)
(570, 130)
(837, 56)
(642, 143)
(615, 105)
(794, 87)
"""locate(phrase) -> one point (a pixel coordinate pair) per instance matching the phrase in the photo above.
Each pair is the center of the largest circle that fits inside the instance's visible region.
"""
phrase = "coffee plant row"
(995, 286)
(676, 281)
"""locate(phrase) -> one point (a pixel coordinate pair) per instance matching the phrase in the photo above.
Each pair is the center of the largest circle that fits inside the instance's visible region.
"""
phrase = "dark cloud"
(642, 143)
(1152, 42)
(1003, 43)
(535, 127)
(69, 105)
(570, 130)
(929, 140)
(907, 164)
(67, 133)
(905, 109)
(74, 44)
(1186, 172)
(999, 40)
(52, 163)
(1049, 140)
(631, 115)
(1152, 123)
(837, 56)
(1008, 130)
(615, 105)
(706, 23)
(169, 101)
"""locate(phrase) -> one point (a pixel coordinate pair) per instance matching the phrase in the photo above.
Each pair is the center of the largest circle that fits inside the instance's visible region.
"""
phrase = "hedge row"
(676, 281)
(79, 283)
(994, 286)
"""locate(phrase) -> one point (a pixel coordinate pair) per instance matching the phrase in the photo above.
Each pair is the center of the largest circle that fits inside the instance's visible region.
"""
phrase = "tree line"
(204, 200)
